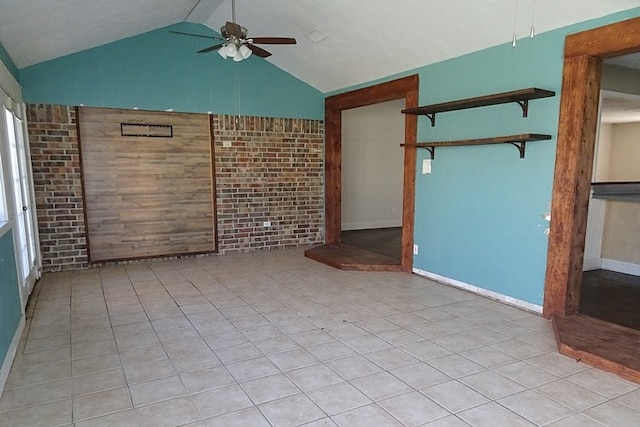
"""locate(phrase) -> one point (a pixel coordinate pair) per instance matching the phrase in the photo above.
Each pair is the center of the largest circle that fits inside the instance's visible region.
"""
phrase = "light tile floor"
(274, 339)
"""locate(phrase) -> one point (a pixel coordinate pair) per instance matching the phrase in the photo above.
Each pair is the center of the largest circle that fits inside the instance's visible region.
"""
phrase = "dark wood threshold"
(346, 257)
(607, 346)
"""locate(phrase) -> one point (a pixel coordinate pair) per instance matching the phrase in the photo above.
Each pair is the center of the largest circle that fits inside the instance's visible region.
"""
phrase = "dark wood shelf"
(521, 97)
(519, 141)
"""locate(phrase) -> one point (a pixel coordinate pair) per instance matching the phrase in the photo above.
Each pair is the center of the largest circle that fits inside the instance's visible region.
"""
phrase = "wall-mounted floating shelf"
(521, 97)
(519, 141)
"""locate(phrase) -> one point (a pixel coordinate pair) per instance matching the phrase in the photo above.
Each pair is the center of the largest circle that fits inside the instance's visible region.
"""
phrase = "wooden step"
(347, 257)
(607, 346)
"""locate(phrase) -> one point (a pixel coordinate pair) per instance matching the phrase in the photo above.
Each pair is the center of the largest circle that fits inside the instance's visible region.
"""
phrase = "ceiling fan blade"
(196, 35)
(258, 50)
(274, 40)
(233, 29)
(209, 49)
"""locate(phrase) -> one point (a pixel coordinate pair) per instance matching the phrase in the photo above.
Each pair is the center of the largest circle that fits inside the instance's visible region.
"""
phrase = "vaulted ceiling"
(367, 39)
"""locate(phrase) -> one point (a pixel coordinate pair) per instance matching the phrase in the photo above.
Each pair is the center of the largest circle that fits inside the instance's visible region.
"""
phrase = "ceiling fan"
(234, 42)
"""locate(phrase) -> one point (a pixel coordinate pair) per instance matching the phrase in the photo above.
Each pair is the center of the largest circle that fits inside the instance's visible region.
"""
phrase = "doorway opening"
(610, 288)
(372, 169)
(599, 343)
(335, 252)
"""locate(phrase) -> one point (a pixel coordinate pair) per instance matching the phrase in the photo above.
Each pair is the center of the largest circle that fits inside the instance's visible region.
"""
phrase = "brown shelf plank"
(517, 140)
(520, 96)
(523, 137)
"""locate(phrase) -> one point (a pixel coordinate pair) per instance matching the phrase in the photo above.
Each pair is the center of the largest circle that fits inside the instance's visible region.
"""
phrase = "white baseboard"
(480, 291)
(11, 354)
(620, 266)
(364, 225)
(592, 264)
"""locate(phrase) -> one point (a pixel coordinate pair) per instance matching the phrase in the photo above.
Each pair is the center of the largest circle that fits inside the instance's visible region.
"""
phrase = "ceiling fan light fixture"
(223, 52)
(232, 49)
(244, 51)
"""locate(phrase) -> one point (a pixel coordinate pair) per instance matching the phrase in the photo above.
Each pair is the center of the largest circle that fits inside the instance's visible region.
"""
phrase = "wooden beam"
(382, 92)
(616, 39)
(409, 182)
(574, 161)
(333, 174)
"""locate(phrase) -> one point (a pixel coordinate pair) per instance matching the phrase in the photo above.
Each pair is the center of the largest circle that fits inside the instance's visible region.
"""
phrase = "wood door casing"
(583, 57)
(407, 88)
(146, 196)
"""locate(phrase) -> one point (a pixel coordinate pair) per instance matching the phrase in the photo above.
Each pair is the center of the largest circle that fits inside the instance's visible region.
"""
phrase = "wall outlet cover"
(426, 166)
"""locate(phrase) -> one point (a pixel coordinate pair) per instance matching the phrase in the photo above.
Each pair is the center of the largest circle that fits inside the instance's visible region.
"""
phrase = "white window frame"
(11, 99)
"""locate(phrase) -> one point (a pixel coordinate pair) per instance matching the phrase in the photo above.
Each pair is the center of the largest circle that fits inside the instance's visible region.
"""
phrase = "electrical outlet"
(226, 144)
(266, 224)
(415, 249)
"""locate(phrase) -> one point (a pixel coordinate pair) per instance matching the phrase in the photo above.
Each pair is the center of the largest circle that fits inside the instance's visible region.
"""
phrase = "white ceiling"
(368, 39)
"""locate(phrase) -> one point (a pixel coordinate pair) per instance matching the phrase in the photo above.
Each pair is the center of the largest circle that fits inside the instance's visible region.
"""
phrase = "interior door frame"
(406, 88)
(583, 55)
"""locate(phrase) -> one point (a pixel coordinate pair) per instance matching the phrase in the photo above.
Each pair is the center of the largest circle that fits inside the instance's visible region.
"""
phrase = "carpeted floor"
(611, 296)
(385, 241)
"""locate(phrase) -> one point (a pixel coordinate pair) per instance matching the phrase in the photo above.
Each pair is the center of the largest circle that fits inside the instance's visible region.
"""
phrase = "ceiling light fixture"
(235, 45)
(234, 48)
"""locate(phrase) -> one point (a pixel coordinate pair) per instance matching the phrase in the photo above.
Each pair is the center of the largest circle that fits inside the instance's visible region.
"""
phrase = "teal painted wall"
(479, 214)
(8, 62)
(10, 309)
(159, 70)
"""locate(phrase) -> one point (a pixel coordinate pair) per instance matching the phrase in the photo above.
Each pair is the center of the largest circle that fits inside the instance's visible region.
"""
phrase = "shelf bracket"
(524, 104)
(432, 151)
(432, 118)
(520, 145)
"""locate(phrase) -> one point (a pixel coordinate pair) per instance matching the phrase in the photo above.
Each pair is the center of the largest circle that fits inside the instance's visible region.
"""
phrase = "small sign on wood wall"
(153, 131)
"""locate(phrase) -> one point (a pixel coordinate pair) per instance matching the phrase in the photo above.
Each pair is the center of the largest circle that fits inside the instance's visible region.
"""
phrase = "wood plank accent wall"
(146, 196)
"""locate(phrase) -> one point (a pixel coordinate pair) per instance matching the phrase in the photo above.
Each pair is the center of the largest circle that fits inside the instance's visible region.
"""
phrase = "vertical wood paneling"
(146, 196)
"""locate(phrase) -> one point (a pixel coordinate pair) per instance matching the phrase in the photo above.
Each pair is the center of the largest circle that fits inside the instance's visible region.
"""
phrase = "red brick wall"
(58, 187)
(272, 170)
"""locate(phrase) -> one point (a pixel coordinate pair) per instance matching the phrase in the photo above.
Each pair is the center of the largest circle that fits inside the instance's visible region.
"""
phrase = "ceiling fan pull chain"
(532, 33)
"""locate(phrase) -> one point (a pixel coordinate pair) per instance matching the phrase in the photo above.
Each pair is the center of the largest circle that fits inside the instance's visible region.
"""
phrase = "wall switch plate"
(426, 166)
(415, 249)
(266, 224)
(226, 144)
